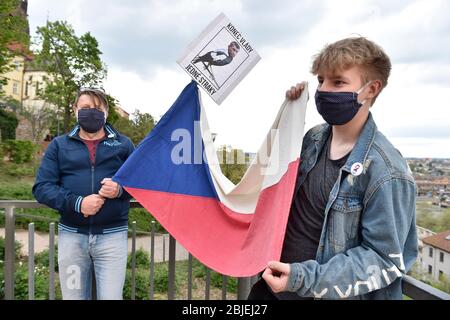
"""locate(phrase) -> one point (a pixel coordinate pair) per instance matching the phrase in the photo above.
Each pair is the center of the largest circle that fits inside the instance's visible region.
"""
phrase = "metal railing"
(412, 288)
(9, 261)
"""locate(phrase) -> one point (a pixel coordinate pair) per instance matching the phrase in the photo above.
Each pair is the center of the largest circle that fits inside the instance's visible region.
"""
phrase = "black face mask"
(338, 108)
(91, 119)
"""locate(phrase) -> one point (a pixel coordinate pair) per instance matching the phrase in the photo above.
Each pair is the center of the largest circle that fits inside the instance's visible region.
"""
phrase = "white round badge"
(356, 169)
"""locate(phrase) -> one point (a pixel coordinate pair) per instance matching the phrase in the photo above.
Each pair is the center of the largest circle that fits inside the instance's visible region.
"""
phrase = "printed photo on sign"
(219, 58)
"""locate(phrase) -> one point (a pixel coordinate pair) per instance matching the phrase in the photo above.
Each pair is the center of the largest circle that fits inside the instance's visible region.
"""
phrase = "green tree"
(233, 163)
(136, 128)
(71, 62)
(113, 116)
(13, 29)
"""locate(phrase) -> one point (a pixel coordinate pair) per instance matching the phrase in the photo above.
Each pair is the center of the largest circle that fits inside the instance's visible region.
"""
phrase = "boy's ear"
(374, 88)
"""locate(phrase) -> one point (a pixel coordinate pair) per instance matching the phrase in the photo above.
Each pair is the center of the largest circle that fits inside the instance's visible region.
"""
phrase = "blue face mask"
(338, 108)
(91, 119)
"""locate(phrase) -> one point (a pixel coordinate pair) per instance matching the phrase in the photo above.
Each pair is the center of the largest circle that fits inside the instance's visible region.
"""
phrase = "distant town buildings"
(432, 178)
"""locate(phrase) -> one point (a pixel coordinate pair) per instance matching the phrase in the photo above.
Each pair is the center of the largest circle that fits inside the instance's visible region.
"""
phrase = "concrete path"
(144, 242)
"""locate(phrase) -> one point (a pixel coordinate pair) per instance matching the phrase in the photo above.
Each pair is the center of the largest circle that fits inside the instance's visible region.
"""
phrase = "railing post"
(164, 248)
(133, 261)
(51, 262)
(243, 288)
(9, 252)
(172, 254)
(253, 280)
(190, 277)
(207, 283)
(224, 287)
(31, 261)
(152, 262)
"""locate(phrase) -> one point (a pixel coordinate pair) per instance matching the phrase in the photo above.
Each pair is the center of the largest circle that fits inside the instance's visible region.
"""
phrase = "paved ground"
(144, 242)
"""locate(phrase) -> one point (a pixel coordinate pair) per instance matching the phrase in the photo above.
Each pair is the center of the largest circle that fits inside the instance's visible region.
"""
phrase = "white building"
(423, 233)
(435, 255)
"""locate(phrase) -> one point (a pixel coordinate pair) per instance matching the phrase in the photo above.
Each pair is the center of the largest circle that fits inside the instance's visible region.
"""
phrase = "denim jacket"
(368, 239)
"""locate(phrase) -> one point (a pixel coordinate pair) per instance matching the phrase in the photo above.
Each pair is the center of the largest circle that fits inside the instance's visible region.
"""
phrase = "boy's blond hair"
(355, 51)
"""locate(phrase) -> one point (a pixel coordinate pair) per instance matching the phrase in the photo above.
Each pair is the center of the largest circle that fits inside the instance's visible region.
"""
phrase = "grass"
(432, 217)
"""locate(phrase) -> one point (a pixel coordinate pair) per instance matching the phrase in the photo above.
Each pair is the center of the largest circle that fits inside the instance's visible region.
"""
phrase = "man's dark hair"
(96, 94)
(235, 44)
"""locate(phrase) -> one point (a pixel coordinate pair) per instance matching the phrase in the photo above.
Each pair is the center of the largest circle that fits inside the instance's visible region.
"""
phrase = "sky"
(141, 40)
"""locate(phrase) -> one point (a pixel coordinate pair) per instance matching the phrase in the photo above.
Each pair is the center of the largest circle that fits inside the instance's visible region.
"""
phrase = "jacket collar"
(362, 146)
(111, 133)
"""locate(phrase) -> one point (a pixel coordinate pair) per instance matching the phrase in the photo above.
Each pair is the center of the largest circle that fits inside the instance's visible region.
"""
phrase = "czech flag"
(175, 174)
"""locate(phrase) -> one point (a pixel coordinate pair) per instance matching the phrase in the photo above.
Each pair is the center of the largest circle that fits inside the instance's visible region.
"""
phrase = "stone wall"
(23, 130)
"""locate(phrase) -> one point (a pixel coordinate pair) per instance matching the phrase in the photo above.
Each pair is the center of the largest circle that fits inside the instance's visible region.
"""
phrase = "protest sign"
(219, 58)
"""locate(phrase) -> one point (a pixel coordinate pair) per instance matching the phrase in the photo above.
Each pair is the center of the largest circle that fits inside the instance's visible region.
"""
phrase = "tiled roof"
(20, 49)
(439, 240)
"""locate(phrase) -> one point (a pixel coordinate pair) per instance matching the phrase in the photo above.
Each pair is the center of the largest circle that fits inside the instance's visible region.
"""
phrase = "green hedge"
(15, 191)
(19, 151)
(161, 281)
(142, 259)
(143, 221)
(8, 124)
(17, 247)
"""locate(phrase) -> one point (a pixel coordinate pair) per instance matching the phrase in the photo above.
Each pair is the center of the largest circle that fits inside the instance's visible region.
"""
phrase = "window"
(16, 64)
(430, 252)
(441, 274)
(430, 269)
(26, 89)
(15, 88)
(441, 256)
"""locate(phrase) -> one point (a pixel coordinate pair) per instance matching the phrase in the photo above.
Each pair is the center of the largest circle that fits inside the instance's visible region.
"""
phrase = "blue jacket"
(368, 239)
(66, 175)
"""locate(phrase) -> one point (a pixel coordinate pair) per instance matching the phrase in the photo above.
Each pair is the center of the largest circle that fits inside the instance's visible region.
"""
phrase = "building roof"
(21, 49)
(122, 112)
(440, 240)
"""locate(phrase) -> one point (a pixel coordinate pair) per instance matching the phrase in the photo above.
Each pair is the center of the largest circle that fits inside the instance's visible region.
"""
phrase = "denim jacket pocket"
(344, 219)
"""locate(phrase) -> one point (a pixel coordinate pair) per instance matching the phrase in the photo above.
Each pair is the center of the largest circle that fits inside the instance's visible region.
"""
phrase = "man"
(220, 57)
(351, 232)
(75, 179)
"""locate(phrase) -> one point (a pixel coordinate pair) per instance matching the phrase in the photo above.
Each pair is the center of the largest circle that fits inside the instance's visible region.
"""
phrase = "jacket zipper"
(91, 218)
(92, 192)
(93, 179)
